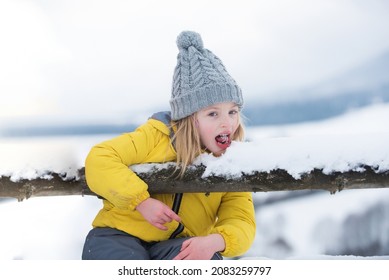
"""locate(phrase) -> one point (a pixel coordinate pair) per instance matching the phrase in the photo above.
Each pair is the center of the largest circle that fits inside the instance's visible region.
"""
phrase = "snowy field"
(310, 227)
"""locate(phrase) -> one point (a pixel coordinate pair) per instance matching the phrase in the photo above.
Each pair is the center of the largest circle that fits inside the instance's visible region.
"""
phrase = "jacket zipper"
(176, 208)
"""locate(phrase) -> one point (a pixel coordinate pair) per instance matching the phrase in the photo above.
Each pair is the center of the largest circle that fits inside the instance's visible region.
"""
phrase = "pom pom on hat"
(187, 39)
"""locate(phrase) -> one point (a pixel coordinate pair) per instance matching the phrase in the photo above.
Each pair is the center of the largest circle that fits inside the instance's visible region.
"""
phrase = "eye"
(233, 112)
(212, 114)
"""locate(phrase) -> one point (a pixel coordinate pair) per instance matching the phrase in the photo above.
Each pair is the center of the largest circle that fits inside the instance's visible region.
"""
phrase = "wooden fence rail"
(163, 181)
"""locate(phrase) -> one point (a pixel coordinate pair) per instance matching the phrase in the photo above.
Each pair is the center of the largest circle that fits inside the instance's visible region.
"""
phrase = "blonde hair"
(187, 143)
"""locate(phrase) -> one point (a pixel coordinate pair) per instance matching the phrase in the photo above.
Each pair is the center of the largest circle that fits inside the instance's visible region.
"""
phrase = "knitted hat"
(200, 78)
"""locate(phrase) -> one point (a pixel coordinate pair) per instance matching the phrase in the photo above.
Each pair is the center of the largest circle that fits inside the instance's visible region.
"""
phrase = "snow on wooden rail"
(316, 162)
(162, 180)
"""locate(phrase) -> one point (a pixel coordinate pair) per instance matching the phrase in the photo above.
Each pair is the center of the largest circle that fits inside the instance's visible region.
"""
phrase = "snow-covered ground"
(307, 227)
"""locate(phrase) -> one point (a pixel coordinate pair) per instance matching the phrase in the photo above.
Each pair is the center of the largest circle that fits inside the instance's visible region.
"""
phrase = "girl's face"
(216, 125)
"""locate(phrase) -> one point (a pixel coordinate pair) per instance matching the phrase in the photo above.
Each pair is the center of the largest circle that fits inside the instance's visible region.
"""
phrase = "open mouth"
(223, 141)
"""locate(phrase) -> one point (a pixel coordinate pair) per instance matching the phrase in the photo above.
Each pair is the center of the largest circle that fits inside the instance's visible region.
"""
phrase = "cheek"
(235, 127)
(235, 124)
(206, 132)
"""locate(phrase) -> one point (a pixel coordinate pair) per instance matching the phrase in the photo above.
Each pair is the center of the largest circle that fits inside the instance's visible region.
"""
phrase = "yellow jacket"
(108, 175)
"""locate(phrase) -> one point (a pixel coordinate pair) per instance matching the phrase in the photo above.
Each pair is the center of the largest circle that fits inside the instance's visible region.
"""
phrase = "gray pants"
(113, 244)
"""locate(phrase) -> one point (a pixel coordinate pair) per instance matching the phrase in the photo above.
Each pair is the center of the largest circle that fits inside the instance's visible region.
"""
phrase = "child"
(205, 117)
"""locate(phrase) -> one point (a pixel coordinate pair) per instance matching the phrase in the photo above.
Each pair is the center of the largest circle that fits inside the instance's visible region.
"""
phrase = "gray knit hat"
(200, 78)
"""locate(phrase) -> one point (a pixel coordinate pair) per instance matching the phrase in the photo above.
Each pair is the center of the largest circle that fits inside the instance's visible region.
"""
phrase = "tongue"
(223, 141)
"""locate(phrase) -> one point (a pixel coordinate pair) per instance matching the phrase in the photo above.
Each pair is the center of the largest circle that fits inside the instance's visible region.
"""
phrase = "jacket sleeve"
(107, 167)
(236, 223)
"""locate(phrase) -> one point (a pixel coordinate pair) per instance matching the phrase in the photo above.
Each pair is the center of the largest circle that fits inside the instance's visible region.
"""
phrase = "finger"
(166, 218)
(178, 257)
(181, 256)
(185, 245)
(159, 226)
(183, 253)
(174, 216)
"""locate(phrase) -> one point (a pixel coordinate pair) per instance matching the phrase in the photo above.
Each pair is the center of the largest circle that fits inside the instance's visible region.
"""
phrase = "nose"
(226, 121)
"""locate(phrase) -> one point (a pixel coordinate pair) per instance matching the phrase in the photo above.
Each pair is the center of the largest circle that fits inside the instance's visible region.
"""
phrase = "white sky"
(106, 60)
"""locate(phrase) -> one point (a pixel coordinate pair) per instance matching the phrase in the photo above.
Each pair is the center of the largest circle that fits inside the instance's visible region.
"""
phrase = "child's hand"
(157, 213)
(201, 248)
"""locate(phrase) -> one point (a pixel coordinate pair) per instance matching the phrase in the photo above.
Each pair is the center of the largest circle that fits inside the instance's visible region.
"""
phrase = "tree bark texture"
(164, 181)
